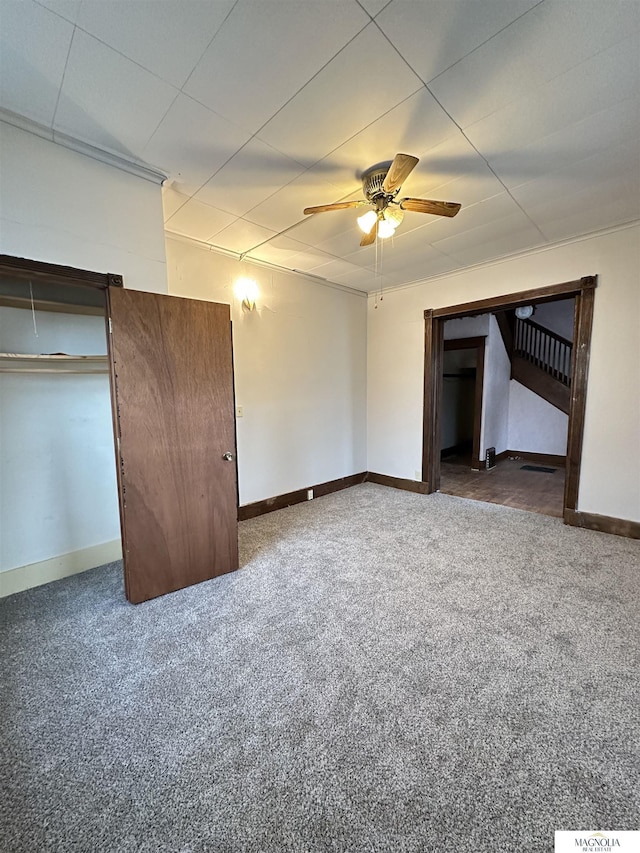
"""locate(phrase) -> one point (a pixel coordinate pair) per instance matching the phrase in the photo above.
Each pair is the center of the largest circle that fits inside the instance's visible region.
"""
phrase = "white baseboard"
(36, 574)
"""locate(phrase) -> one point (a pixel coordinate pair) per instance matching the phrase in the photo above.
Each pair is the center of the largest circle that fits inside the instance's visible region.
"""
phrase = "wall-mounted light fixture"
(246, 290)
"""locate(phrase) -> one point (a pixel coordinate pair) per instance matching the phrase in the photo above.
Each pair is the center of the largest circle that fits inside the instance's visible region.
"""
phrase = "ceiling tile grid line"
(66, 65)
(459, 127)
(345, 195)
(312, 78)
(57, 12)
(524, 111)
(129, 58)
(126, 56)
(324, 60)
(482, 44)
(257, 132)
(550, 40)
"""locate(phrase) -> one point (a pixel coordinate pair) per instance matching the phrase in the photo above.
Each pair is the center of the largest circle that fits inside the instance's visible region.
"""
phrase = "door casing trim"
(583, 290)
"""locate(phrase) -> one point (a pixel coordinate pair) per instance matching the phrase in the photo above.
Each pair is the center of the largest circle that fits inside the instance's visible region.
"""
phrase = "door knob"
(228, 457)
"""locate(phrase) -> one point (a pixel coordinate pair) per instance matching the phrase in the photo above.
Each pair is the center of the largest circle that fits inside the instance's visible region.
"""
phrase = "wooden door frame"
(56, 274)
(479, 344)
(50, 274)
(583, 290)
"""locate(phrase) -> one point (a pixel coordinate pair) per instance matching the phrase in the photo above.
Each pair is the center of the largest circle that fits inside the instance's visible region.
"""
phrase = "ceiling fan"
(381, 184)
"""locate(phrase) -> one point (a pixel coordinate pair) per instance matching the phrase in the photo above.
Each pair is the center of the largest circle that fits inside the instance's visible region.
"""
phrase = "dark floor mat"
(540, 468)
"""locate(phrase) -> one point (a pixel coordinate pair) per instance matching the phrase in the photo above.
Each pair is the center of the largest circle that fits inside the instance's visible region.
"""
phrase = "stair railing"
(543, 348)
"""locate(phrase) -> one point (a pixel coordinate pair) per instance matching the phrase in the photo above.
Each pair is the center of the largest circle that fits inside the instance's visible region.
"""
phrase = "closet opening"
(59, 486)
(94, 373)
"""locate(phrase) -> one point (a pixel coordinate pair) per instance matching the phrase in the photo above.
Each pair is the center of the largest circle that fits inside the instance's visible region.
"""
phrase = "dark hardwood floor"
(505, 484)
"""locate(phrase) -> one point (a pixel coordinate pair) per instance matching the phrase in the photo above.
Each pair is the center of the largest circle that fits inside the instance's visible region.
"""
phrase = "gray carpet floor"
(387, 672)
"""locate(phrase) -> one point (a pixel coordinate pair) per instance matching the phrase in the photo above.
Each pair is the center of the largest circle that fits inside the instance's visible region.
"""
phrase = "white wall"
(466, 327)
(300, 371)
(65, 208)
(534, 424)
(556, 316)
(495, 394)
(610, 480)
(58, 490)
(62, 207)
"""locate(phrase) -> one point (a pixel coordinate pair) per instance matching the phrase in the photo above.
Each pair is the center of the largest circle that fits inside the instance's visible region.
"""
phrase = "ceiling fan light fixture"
(367, 221)
(386, 228)
(381, 185)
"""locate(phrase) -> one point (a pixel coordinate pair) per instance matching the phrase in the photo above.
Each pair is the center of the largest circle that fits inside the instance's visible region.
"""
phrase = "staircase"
(540, 359)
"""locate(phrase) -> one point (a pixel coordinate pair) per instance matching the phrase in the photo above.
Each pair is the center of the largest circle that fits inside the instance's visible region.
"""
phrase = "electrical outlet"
(239, 412)
(309, 494)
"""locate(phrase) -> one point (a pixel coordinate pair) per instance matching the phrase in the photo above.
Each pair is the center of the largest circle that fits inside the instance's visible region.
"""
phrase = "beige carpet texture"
(386, 672)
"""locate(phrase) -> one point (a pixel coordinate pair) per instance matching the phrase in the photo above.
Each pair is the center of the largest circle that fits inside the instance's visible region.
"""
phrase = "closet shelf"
(15, 362)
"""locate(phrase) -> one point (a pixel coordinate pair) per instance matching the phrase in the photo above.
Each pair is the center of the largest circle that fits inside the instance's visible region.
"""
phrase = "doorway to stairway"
(505, 388)
(532, 350)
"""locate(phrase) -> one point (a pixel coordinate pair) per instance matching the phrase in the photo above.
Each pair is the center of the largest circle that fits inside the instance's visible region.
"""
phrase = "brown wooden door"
(172, 387)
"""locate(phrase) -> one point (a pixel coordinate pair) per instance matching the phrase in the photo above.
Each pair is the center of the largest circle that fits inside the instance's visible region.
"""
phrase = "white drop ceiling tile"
(468, 220)
(373, 7)
(241, 236)
(467, 191)
(360, 84)
(167, 38)
(503, 244)
(598, 133)
(404, 266)
(617, 162)
(309, 259)
(285, 207)
(365, 257)
(318, 227)
(265, 52)
(256, 172)
(198, 220)
(498, 235)
(450, 160)
(68, 9)
(34, 45)
(108, 100)
(434, 36)
(600, 81)
(605, 202)
(279, 251)
(544, 43)
(412, 127)
(192, 143)
(172, 200)
(333, 269)
(362, 279)
(348, 240)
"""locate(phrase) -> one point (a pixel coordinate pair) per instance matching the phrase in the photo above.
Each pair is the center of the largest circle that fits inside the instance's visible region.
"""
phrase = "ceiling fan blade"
(425, 205)
(399, 171)
(368, 239)
(340, 205)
